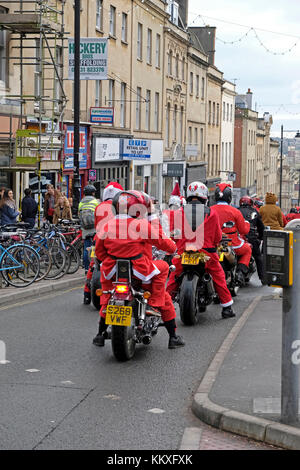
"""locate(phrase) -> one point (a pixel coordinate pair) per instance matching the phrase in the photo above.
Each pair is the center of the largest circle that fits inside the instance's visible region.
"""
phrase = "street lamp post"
(76, 181)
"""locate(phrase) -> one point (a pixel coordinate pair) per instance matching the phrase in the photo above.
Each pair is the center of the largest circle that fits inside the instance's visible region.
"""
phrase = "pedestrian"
(8, 208)
(29, 208)
(51, 198)
(86, 212)
(62, 210)
(271, 213)
(2, 189)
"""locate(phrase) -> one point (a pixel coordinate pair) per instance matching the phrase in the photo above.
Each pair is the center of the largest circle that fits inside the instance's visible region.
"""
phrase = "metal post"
(290, 340)
(281, 155)
(76, 182)
(299, 188)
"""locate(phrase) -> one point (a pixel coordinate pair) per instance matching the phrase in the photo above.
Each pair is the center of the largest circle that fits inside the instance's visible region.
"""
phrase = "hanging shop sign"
(102, 115)
(135, 149)
(69, 148)
(93, 58)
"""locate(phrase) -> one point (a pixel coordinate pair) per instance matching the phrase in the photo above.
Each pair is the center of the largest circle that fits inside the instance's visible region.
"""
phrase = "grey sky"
(273, 79)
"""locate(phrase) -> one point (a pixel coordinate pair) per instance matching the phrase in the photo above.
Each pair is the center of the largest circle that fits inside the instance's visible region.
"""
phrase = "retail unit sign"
(106, 149)
(136, 149)
(93, 58)
(102, 115)
(69, 148)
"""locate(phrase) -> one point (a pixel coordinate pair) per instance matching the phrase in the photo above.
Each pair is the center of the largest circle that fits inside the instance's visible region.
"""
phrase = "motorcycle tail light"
(122, 289)
(147, 295)
(191, 248)
(99, 292)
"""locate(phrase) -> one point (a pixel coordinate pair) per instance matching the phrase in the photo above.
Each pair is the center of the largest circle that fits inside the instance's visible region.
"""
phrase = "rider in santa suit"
(103, 213)
(227, 213)
(129, 232)
(206, 235)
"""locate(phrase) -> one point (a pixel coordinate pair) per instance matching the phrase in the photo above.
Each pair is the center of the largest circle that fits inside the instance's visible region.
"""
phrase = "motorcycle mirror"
(172, 268)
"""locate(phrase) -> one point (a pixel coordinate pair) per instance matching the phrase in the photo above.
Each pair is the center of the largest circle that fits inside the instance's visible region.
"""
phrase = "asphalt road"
(59, 391)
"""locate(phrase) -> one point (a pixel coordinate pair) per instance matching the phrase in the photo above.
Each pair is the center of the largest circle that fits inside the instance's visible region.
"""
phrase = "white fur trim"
(112, 273)
(228, 304)
(240, 246)
(140, 276)
(110, 192)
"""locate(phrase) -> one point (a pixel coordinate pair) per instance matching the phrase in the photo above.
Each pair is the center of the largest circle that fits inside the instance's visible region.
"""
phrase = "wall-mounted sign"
(69, 148)
(175, 169)
(92, 175)
(106, 149)
(136, 149)
(102, 115)
(93, 58)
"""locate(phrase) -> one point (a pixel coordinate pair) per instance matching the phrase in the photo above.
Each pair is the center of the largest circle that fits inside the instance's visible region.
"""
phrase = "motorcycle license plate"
(221, 258)
(190, 258)
(118, 315)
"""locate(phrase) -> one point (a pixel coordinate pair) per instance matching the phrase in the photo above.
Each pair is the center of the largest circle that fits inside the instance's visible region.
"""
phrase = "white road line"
(156, 411)
(191, 439)
(33, 370)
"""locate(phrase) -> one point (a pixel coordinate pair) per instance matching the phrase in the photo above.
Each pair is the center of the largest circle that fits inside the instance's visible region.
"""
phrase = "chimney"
(249, 96)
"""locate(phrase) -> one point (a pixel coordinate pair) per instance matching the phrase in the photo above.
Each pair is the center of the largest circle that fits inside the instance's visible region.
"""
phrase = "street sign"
(92, 175)
(102, 115)
(136, 149)
(93, 58)
(175, 169)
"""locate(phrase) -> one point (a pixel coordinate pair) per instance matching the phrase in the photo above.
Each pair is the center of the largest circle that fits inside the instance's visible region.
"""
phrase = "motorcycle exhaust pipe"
(147, 339)
(209, 284)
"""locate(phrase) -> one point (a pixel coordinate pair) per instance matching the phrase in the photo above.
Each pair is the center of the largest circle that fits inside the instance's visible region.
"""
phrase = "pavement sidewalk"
(241, 389)
(11, 294)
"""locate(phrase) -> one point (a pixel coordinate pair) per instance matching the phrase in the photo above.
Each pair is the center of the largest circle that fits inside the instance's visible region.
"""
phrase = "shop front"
(68, 158)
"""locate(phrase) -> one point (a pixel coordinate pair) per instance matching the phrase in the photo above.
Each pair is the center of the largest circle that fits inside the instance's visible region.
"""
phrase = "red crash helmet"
(246, 201)
(258, 203)
(133, 203)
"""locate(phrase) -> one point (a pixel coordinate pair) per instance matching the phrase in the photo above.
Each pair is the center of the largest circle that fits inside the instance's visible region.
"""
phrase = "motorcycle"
(95, 281)
(196, 289)
(126, 313)
(228, 261)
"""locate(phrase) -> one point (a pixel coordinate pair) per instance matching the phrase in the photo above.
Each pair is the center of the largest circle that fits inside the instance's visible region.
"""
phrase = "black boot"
(227, 312)
(241, 272)
(87, 298)
(99, 340)
(174, 340)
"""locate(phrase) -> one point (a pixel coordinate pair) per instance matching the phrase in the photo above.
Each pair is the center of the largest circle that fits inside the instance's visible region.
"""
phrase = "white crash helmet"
(197, 189)
(175, 201)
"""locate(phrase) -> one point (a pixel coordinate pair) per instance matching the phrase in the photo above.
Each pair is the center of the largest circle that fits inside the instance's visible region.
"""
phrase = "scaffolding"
(37, 40)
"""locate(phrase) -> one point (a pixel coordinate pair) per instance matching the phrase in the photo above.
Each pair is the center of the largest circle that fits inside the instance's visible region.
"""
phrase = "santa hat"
(111, 190)
(176, 190)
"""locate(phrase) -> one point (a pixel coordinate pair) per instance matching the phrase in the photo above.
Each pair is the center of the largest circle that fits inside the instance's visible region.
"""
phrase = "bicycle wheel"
(20, 265)
(59, 259)
(45, 262)
(74, 258)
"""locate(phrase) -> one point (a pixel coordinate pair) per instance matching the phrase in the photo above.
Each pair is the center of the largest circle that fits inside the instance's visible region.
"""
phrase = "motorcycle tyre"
(95, 284)
(188, 300)
(123, 342)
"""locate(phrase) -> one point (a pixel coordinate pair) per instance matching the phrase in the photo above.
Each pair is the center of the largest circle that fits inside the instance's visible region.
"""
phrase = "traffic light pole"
(76, 181)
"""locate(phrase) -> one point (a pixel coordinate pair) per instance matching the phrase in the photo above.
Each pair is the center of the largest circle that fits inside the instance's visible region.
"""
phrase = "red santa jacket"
(228, 213)
(207, 235)
(128, 238)
(292, 216)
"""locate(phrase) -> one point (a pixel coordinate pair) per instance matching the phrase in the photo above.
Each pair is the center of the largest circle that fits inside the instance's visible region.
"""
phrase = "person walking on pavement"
(271, 213)
(86, 212)
(29, 208)
(8, 208)
(256, 233)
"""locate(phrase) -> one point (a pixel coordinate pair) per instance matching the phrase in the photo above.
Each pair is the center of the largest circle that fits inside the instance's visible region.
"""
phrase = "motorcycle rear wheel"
(95, 284)
(123, 342)
(188, 300)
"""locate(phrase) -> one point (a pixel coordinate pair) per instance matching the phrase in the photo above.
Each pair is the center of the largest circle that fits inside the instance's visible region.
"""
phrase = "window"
(175, 123)
(183, 69)
(201, 142)
(98, 92)
(197, 85)
(218, 111)
(209, 159)
(148, 110)
(170, 60)
(123, 105)
(156, 112)
(57, 87)
(212, 160)
(111, 93)
(227, 112)
(209, 112)
(38, 75)
(231, 113)
(190, 135)
(196, 136)
(140, 42)
(191, 83)
(230, 157)
(149, 46)
(224, 110)
(203, 88)
(124, 27)
(180, 137)
(214, 114)
(168, 126)
(112, 21)
(177, 66)
(138, 109)
(157, 51)
(99, 14)
(223, 163)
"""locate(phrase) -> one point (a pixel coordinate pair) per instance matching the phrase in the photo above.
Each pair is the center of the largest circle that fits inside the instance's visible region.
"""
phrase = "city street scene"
(149, 228)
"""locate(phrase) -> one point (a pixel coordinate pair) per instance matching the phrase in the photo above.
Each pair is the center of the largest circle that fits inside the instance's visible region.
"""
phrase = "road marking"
(112, 397)
(156, 411)
(191, 439)
(268, 405)
(4, 361)
(7, 307)
(33, 370)
(67, 382)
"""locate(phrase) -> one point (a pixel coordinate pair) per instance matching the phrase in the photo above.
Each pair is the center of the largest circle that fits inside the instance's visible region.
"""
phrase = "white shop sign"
(93, 58)
(106, 149)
